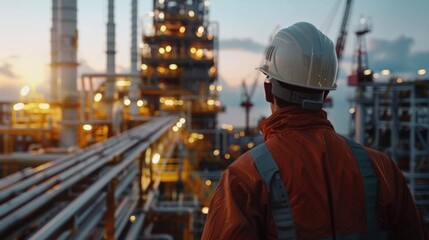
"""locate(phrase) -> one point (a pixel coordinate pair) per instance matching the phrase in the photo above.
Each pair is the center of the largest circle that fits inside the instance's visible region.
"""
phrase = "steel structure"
(179, 62)
(100, 191)
(395, 120)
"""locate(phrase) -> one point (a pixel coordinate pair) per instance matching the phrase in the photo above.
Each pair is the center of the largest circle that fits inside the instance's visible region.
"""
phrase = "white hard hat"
(303, 56)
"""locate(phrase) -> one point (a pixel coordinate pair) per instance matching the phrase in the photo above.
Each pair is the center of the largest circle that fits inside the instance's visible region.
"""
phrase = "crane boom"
(341, 41)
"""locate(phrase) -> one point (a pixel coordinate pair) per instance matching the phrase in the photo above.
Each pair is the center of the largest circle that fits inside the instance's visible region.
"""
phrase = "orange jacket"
(306, 147)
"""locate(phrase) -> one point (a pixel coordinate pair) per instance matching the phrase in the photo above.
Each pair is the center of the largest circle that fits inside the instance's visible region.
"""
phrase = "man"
(306, 181)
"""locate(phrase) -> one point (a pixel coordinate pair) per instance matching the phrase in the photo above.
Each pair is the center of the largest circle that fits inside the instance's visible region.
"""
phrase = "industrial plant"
(138, 155)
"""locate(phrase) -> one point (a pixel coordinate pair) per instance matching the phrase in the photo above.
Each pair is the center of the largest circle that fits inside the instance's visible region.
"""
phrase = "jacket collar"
(293, 117)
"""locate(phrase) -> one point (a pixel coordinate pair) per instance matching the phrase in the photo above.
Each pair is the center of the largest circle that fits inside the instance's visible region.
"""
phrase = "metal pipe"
(54, 52)
(110, 54)
(67, 178)
(134, 232)
(96, 206)
(125, 182)
(133, 92)
(122, 222)
(67, 66)
(161, 126)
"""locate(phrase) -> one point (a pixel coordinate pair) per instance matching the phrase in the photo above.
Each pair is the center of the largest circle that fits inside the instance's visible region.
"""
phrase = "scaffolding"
(394, 118)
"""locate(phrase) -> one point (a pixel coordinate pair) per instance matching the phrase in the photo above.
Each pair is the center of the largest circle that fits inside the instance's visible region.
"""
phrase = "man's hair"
(283, 103)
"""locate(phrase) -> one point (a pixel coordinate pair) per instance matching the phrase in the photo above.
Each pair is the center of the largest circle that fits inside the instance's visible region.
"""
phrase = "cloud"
(419, 60)
(396, 55)
(245, 44)
(6, 70)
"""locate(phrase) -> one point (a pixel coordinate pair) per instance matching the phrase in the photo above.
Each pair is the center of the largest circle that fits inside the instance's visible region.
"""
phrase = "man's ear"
(269, 97)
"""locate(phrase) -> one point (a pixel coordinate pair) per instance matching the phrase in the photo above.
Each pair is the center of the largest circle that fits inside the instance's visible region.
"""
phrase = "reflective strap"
(369, 183)
(279, 199)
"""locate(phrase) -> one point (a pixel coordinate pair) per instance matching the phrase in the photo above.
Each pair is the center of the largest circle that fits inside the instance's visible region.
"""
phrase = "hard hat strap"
(311, 101)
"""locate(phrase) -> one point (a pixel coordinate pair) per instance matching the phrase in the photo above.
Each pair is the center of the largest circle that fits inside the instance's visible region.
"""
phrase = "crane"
(246, 97)
(341, 40)
(246, 94)
(340, 44)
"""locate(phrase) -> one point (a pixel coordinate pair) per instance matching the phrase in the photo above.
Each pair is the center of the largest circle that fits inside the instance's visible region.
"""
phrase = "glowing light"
(250, 144)
(193, 50)
(212, 70)
(156, 157)
(172, 66)
(191, 140)
(235, 147)
(127, 101)
(18, 106)
(352, 110)
(44, 106)
(376, 75)
(175, 128)
(144, 67)
(205, 210)
(191, 13)
(123, 83)
(208, 182)
(385, 72)
(228, 127)
(140, 103)
(242, 134)
(227, 156)
(161, 1)
(182, 120)
(98, 97)
(200, 29)
(210, 102)
(200, 52)
(219, 88)
(169, 102)
(399, 80)
(209, 54)
(160, 69)
(132, 218)
(216, 152)
(179, 124)
(207, 3)
(182, 29)
(168, 48)
(87, 127)
(25, 90)
(161, 50)
(161, 15)
(421, 72)
(163, 28)
(212, 87)
(367, 72)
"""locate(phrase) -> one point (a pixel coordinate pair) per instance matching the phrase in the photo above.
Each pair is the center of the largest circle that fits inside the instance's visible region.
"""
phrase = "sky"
(398, 42)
